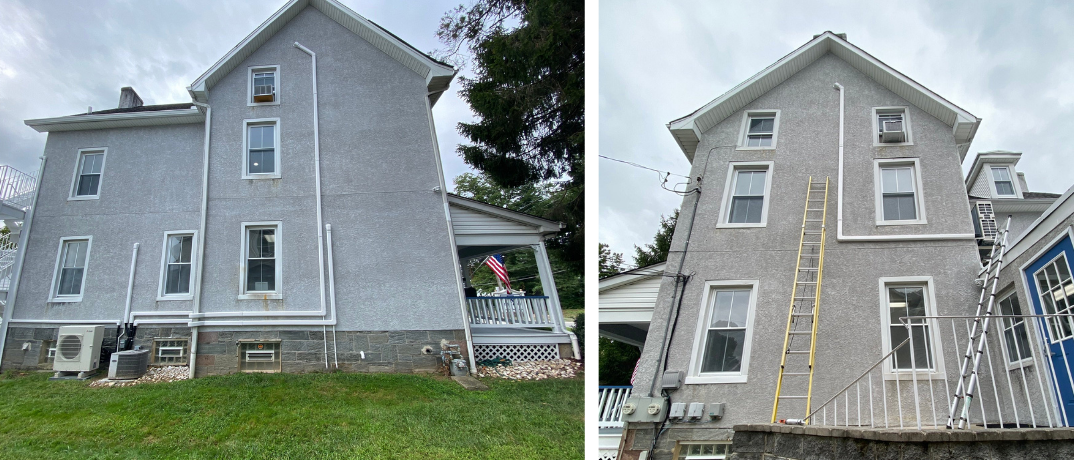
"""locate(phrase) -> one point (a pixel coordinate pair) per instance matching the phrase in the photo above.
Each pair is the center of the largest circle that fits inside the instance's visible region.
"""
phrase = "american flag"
(634, 375)
(495, 263)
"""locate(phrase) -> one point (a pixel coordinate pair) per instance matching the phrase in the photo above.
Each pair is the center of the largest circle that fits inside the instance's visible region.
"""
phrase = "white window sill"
(877, 143)
(771, 147)
(261, 176)
(905, 376)
(885, 223)
(72, 299)
(161, 298)
(1028, 362)
(261, 296)
(757, 225)
(709, 379)
(84, 197)
(255, 104)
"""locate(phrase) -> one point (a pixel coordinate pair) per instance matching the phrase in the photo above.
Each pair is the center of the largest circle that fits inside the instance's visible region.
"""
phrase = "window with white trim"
(1001, 176)
(909, 301)
(170, 351)
(71, 269)
(262, 272)
(1056, 290)
(261, 150)
(264, 85)
(48, 352)
(746, 195)
(722, 341)
(760, 129)
(702, 450)
(891, 126)
(1015, 337)
(260, 356)
(177, 265)
(898, 192)
(88, 174)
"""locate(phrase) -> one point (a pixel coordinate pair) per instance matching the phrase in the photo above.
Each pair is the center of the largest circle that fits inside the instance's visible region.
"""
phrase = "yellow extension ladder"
(801, 338)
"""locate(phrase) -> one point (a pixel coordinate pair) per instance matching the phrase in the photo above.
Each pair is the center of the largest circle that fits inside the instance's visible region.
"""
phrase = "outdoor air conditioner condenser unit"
(129, 364)
(78, 348)
(891, 132)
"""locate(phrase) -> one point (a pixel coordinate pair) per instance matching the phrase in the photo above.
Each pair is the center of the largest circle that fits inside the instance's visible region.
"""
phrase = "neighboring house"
(297, 206)
(899, 241)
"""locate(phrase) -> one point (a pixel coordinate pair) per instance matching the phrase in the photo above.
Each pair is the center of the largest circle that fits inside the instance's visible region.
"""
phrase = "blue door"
(1051, 290)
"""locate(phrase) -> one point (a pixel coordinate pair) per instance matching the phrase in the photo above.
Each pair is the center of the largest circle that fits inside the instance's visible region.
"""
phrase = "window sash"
(72, 268)
(882, 117)
(261, 259)
(1015, 336)
(178, 264)
(261, 149)
(748, 194)
(918, 354)
(89, 176)
(898, 194)
(1056, 291)
(264, 83)
(725, 337)
(1004, 184)
(760, 131)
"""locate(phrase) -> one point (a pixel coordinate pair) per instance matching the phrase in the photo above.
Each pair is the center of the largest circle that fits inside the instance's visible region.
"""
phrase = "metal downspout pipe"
(201, 234)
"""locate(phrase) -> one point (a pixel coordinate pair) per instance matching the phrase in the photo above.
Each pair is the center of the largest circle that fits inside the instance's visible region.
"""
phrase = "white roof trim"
(117, 120)
(542, 225)
(1048, 221)
(437, 75)
(995, 157)
(687, 130)
(632, 276)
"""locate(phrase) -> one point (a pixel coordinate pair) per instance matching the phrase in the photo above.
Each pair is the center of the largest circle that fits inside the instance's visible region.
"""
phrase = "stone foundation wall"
(301, 351)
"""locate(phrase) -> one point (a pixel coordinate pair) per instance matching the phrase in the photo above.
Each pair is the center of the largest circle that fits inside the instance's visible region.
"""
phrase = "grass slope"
(309, 416)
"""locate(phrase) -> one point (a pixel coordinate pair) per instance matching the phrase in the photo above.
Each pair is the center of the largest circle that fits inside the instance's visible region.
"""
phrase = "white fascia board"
(543, 225)
(116, 120)
(1048, 221)
(632, 276)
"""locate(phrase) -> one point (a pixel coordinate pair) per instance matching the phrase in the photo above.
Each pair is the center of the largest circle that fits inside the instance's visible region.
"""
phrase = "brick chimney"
(128, 98)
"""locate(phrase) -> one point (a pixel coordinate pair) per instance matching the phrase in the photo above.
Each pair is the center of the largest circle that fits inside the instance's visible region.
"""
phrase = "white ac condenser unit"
(78, 349)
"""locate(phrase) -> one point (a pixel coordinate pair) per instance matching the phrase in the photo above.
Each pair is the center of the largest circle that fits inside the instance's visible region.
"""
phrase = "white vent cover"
(987, 217)
(78, 348)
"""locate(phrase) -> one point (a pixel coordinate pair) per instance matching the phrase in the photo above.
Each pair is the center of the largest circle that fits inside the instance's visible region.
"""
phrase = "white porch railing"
(528, 311)
(16, 187)
(611, 405)
(915, 384)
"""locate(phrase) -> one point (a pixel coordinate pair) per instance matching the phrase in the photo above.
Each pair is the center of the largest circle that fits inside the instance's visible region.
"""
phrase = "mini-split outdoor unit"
(129, 364)
(891, 132)
(78, 348)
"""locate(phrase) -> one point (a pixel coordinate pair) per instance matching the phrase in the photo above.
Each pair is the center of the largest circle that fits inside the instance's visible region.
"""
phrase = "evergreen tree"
(657, 251)
(610, 262)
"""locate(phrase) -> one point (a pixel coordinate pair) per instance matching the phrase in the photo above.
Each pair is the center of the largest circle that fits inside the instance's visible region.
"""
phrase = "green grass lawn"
(569, 314)
(310, 416)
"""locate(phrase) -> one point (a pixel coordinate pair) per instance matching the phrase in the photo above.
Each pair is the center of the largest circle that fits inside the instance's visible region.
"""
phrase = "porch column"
(544, 269)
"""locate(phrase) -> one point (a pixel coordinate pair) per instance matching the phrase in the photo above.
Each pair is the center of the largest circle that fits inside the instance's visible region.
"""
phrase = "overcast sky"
(60, 57)
(1009, 63)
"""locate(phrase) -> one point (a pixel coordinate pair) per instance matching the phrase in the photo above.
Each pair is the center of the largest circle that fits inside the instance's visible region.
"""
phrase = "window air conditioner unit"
(78, 349)
(264, 93)
(891, 132)
(129, 364)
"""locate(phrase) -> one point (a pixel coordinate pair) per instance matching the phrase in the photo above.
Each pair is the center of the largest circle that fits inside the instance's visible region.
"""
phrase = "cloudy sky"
(1009, 63)
(60, 57)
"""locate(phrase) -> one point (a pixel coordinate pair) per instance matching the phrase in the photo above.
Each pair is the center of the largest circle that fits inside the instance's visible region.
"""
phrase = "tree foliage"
(657, 251)
(617, 361)
(610, 262)
(527, 92)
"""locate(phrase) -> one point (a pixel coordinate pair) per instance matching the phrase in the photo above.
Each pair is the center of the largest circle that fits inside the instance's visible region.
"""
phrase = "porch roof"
(482, 228)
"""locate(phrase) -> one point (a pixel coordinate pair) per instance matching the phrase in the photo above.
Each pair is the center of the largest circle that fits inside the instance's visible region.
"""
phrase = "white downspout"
(839, 218)
(332, 292)
(201, 235)
(317, 179)
(20, 257)
(451, 237)
(130, 294)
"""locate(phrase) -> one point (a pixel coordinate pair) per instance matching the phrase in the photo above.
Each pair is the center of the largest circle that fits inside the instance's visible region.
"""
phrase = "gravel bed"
(533, 370)
(153, 375)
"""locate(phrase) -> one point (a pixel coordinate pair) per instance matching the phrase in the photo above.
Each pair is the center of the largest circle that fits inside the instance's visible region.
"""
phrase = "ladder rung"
(800, 332)
(808, 269)
(814, 220)
(795, 352)
(806, 282)
(792, 397)
(795, 373)
(802, 314)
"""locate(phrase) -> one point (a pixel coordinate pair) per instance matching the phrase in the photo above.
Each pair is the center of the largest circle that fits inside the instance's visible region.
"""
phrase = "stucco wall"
(850, 325)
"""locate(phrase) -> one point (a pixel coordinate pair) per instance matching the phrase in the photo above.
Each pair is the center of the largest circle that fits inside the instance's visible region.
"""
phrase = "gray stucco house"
(903, 240)
(296, 205)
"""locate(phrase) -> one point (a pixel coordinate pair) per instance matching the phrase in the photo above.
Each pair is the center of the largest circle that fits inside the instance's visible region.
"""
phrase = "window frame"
(935, 346)
(728, 192)
(906, 125)
(744, 129)
(677, 452)
(246, 151)
(694, 375)
(277, 256)
(1041, 292)
(54, 287)
(250, 84)
(1028, 360)
(277, 355)
(1015, 183)
(154, 357)
(73, 196)
(919, 196)
(162, 281)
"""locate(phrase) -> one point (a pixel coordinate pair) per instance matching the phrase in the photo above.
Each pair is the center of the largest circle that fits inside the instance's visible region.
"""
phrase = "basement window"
(260, 356)
(48, 352)
(170, 351)
(702, 450)
(264, 85)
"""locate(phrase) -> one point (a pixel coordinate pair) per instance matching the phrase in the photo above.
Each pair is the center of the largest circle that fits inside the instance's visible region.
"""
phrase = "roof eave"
(544, 226)
(631, 276)
(116, 120)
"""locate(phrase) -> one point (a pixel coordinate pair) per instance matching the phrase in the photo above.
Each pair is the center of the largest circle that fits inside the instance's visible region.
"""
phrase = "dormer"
(993, 176)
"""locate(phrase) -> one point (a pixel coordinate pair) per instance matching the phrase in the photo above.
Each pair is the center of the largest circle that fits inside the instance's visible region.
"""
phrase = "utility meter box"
(696, 411)
(678, 411)
(643, 409)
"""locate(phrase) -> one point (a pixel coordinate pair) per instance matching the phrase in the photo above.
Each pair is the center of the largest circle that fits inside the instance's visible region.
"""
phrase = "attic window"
(1002, 178)
(892, 126)
(759, 130)
(264, 85)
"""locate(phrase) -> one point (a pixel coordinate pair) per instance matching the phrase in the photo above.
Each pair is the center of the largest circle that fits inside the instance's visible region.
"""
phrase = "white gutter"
(66, 321)
(20, 257)
(201, 234)
(451, 238)
(839, 199)
(125, 119)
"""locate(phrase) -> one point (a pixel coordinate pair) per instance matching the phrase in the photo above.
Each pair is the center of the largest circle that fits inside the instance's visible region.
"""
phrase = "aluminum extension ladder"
(964, 391)
(799, 345)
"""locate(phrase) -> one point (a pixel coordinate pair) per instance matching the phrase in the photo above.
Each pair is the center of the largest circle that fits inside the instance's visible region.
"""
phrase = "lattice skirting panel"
(608, 454)
(517, 352)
